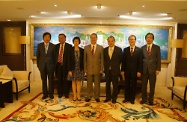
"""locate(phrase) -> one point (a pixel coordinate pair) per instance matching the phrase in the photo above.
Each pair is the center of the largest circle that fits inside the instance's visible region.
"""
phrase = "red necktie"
(60, 55)
(131, 51)
(148, 51)
(93, 50)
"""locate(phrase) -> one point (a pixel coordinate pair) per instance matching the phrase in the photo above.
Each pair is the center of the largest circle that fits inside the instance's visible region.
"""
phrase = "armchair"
(179, 89)
(20, 82)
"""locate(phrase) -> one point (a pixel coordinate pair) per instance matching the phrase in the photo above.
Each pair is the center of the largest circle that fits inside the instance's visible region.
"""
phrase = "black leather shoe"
(79, 99)
(142, 102)
(132, 102)
(44, 96)
(97, 100)
(87, 100)
(151, 103)
(124, 101)
(59, 96)
(106, 100)
(74, 100)
(51, 97)
(114, 101)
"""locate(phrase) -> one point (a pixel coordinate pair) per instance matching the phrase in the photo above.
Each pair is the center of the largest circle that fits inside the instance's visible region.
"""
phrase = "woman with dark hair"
(76, 75)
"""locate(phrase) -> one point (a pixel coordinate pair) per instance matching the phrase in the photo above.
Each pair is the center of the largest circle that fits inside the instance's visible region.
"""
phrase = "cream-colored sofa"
(20, 79)
(5, 73)
(179, 89)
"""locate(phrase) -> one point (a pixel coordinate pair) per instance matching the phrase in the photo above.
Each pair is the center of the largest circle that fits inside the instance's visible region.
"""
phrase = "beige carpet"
(57, 110)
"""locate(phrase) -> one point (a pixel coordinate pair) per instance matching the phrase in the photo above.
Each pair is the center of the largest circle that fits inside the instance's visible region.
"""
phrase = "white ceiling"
(21, 10)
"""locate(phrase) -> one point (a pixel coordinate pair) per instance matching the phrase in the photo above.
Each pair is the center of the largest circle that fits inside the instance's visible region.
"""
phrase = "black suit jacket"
(132, 64)
(45, 59)
(114, 62)
(66, 57)
(152, 62)
(80, 59)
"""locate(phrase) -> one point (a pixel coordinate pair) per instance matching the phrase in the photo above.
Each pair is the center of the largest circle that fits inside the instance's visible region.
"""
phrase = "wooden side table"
(5, 92)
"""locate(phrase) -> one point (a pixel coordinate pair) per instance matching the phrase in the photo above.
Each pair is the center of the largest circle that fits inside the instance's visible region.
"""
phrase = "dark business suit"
(81, 57)
(151, 64)
(62, 70)
(112, 71)
(131, 65)
(46, 66)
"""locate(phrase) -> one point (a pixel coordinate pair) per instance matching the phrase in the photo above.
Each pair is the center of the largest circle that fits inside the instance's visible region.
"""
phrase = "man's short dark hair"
(62, 34)
(46, 33)
(132, 36)
(111, 37)
(93, 34)
(149, 34)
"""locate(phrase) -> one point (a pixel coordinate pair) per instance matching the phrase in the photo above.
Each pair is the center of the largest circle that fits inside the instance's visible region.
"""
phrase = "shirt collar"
(150, 45)
(46, 43)
(111, 48)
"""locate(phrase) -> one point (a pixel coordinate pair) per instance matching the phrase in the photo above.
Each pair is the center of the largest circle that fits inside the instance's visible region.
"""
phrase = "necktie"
(46, 48)
(93, 50)
(131, 51)
(148, 51)
(60, 55)
(110, 53)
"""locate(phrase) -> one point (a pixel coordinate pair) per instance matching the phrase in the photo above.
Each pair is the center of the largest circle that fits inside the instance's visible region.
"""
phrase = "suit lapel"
(128, 51)
(89, 48)
(43, 48)
(96, 50)
(107, 53)
(113, 53)
(135, 50)
(145, 50)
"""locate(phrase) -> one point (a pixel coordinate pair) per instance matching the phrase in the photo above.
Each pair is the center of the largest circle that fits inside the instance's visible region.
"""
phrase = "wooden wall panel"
(13, 60)
(181, 63)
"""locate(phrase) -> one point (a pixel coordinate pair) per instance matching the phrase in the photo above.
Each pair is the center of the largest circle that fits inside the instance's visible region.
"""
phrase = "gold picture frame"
(163, 35)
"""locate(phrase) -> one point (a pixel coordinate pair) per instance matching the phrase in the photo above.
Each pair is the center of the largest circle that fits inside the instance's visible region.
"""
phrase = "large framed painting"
(121, 32)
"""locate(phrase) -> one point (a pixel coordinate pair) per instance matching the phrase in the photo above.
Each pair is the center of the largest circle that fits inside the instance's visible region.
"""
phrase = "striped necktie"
(148, 51)
(60, 55)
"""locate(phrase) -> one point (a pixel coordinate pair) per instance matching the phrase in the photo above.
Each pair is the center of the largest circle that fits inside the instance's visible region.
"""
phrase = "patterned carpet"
(57, 110)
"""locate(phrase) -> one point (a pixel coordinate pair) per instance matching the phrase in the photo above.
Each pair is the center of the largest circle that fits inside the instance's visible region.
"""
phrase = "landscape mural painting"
(162, 34)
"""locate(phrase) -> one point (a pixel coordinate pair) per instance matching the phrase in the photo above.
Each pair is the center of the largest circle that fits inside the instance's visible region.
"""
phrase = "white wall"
(167, 70)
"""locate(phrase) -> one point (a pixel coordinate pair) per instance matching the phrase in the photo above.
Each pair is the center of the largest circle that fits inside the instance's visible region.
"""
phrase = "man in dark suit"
(151, 67)
(112, 61)
(93, 67)
(131, 68)
(63, 52)
(46, 64)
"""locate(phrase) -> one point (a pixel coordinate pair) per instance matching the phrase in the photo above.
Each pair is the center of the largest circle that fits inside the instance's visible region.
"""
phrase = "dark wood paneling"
(14, 61)
(181, 63)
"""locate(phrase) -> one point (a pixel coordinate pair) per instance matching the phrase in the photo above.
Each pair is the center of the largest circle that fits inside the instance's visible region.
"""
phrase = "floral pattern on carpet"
(57, 110)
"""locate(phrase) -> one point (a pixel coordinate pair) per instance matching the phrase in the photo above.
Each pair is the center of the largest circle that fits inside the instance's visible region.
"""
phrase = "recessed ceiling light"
(32, 16)
(98, 6)
(143, 6)
(8, 20)
(70, 16)
(140, 18)
(55, 5)
(130, 12)
(20, 8)
(68, 12)
(43, 12)
(163, 14)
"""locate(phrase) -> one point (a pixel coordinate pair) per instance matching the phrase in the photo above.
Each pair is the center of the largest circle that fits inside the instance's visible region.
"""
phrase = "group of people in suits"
(72, 63)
